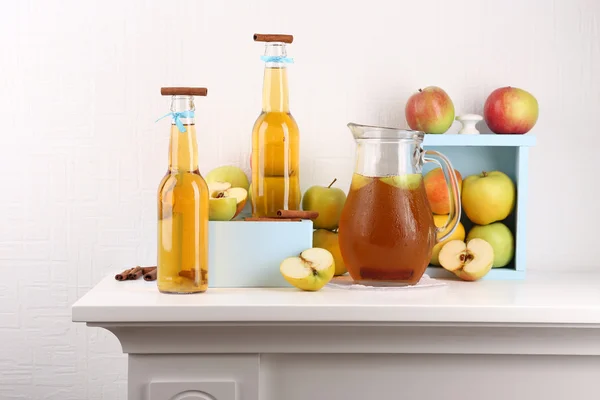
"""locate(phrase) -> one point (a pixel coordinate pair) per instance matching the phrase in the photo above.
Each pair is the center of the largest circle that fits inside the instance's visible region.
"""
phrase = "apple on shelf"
(328, 240)
(430, 110)
(230, 174)
(510, 110)
(310, 270)
(328, 202)
(458, 234)
(500, 238)
(228, 192)
(225, 202)
(469, 261)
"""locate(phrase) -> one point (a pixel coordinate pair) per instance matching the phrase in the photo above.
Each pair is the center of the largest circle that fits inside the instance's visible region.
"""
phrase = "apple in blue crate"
(310, 270)
(430, 110)
(500, 238)
(328, 201)
(488, 197)
(510, 110)
(469, 261)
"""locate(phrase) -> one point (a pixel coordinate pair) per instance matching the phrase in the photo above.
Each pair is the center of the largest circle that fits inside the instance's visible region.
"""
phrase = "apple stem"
(420, 90)
(484, 173)
(332, 183)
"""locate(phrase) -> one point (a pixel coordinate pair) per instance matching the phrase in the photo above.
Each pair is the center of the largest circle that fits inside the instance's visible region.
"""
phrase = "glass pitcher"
(386, 231)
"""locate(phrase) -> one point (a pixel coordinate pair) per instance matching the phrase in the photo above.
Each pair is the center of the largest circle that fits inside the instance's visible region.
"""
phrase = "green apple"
(228, 173)
(500, 237)
(328, 202)
(328, 240)
(469, 261)
(222, 208)
(309, 271)
(488, 197)
(225, 202)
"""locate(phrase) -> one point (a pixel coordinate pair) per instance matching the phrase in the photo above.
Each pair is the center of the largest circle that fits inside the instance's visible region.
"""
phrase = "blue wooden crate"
(472, 154)
(248, 253)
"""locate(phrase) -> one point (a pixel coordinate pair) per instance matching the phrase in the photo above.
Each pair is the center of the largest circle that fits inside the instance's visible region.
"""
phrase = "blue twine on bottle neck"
(177, 118)
(280, 59)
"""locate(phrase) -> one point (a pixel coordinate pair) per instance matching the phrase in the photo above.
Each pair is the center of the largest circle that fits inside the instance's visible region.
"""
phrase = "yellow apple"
(458, 234)
(309, 271)
(470, 261)
(228, 173)
(328, 240)
(488, 197)
(328, 202)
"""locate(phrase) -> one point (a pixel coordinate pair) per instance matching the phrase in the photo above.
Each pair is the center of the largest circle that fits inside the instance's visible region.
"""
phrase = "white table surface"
(547, 298)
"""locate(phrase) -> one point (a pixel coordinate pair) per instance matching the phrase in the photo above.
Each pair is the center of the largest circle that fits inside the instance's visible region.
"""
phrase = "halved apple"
(241, 195)
(235, 200)
(222, 208)
(309, 271)
(470, 261)
(218, 187)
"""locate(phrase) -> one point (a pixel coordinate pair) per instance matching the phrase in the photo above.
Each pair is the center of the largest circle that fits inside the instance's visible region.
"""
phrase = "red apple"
(430, 110)
(436, 189)
(510, 110)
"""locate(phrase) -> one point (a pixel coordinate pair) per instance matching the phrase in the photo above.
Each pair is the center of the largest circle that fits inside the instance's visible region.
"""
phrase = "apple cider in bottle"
(182, 264)
(275, 137)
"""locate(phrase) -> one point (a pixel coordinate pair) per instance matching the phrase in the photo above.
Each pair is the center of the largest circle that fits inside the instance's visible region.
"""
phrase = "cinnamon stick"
(135, 273)
(298, 214)
(183, 91)
(269, 37)
(151, 275)
(271, 219)
(146, 270)
(123, 276)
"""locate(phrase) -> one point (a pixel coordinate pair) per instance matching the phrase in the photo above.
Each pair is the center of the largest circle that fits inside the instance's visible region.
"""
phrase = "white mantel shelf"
(554, 299)
(272, 344)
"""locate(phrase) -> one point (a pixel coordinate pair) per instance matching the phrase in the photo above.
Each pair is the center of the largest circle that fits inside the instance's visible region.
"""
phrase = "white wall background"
(81, 156)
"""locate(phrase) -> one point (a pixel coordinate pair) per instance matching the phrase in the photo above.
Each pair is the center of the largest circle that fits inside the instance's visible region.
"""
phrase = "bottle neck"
(183, 147)
(275, 85)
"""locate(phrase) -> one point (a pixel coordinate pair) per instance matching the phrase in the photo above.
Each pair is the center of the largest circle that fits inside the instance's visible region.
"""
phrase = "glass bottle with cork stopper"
(183, 203)
(275, 136)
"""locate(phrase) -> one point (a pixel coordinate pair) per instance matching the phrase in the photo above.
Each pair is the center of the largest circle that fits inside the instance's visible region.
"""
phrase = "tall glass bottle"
(182, 265)
(275, 137)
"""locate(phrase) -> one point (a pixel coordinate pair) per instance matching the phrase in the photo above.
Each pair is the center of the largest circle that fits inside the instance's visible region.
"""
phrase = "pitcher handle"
(453, 192)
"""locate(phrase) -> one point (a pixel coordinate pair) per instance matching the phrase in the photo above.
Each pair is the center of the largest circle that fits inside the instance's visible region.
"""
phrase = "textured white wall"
(81, 156)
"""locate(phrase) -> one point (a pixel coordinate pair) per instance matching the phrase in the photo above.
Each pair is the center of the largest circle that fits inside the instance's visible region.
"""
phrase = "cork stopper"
(183, 91)
(269, 37)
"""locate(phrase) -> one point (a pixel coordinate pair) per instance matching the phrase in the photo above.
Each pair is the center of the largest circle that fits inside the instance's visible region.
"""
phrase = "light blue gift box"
(248, 253)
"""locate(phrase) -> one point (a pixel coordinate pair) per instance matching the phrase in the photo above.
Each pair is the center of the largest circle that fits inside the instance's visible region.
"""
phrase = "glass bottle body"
(275, 144)
(183, 202)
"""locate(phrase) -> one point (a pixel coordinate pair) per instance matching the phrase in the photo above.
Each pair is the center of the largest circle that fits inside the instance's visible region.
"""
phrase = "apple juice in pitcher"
(275, 157)
(183, 200)
(386, 231)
